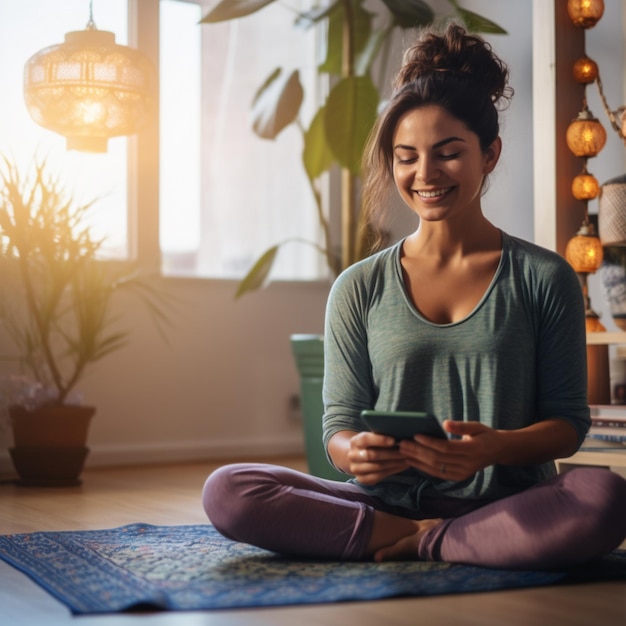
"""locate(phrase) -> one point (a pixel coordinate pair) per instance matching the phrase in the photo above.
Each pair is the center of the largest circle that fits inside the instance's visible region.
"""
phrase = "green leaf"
(361, 27)
(349, 116)
(316, 156)
(108, 345)
(410, 13)
(233, 9)
(477, 23)
(256, 277)
(276, 104)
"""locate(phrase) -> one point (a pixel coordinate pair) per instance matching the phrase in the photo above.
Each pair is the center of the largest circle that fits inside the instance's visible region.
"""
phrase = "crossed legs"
(568, 519)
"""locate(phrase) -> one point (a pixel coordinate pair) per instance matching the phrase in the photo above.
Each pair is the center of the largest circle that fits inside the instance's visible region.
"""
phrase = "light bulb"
(585, 186)
(585, 135)
(585, 13)
(585, 70)
(584, 253)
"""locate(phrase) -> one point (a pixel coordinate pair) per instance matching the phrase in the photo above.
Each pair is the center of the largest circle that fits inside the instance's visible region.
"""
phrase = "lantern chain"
(610, 114)
(91, 25)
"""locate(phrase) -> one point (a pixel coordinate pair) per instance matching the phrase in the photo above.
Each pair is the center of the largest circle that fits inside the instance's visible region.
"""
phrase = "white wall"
(509, 201)
(221, 388)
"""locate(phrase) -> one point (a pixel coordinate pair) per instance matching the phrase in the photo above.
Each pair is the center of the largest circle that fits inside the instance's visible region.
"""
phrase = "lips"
(433, 193)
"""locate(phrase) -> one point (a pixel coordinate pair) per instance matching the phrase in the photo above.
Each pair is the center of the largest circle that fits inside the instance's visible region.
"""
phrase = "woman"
(461, 320)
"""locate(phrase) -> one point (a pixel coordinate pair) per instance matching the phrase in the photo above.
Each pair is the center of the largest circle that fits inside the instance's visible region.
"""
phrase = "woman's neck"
(447, 239)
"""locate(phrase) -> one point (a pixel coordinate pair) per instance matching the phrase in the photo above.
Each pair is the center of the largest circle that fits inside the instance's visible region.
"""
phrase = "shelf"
(609, 458)
(596, 452)
(600, 339)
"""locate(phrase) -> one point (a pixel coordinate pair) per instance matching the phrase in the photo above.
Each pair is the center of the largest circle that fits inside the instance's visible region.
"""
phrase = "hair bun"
(457, 52)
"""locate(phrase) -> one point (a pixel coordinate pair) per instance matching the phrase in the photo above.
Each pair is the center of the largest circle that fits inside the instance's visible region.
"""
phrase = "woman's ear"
(492, 155)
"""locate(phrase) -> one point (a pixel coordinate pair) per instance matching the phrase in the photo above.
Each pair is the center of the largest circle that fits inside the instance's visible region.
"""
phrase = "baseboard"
(112, 455)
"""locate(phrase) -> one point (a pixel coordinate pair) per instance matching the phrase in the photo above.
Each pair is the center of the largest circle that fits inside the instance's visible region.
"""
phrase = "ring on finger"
(363, 454)
(443, 468)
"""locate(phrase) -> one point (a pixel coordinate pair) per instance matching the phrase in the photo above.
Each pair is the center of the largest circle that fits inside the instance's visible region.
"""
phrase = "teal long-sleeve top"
(518, 358)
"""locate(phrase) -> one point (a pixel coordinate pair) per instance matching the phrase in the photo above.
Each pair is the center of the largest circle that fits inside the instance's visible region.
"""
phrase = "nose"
(427, 169)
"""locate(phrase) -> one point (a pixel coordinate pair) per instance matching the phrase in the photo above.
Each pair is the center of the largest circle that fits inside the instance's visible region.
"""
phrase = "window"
(226, 195)
(25, 28)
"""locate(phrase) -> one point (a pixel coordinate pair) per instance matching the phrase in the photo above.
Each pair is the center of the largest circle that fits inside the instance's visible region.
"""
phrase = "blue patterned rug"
(144, 567)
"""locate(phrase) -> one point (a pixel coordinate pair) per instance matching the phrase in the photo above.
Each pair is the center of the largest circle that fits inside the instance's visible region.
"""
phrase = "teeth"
(433, 194)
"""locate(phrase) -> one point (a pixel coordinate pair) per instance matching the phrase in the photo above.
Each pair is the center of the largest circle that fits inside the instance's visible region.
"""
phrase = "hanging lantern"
(585, 186)
(89, 89)
(585, 135)
(585, 13)
(585, 70)
(584, 250)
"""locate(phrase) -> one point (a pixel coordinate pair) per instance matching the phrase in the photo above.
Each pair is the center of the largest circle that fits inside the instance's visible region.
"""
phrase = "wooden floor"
(171, 495)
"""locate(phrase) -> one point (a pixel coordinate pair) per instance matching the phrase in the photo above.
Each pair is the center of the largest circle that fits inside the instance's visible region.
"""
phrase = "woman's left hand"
(453, 459)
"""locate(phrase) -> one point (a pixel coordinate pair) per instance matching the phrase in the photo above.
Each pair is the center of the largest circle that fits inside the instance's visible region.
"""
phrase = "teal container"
(308, 351)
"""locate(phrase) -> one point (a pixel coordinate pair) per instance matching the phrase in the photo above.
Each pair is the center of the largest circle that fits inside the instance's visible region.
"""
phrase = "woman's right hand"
(367, 456)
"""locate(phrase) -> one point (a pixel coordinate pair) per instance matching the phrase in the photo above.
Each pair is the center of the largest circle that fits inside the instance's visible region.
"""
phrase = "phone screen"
(403, 424)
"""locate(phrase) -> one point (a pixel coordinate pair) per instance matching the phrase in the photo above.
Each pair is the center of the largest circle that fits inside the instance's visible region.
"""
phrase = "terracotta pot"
(52, 426)
(49, 443)
(49, 466)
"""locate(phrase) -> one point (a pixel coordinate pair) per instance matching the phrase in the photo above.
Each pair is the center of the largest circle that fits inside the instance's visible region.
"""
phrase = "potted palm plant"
(55, 300)
(358, 37)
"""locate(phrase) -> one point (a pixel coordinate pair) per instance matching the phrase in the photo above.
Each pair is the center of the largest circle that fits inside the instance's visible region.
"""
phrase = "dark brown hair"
(455, 70)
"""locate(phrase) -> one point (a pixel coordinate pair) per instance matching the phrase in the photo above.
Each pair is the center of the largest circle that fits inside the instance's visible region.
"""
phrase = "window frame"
(143, 148)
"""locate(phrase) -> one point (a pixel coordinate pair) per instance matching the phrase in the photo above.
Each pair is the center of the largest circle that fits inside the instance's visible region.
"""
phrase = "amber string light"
(585, 138)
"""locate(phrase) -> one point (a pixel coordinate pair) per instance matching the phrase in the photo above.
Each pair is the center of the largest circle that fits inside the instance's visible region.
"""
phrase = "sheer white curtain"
(251, 193)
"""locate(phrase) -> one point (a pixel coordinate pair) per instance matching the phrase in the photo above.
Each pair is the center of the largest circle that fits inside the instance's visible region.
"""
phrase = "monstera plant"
(356, 37)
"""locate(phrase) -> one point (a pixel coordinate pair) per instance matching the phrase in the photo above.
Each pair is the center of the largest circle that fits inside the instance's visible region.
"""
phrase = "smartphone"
(403, 424)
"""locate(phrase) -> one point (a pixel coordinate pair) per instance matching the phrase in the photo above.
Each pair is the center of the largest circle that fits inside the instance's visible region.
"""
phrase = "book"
(608, 422)
(617, 439)
(607, 433)
(614, 412)
(599, 445)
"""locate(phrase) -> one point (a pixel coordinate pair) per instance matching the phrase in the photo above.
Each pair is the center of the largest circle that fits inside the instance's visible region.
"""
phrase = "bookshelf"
(597, 456)
(597, 452)
(604, 456)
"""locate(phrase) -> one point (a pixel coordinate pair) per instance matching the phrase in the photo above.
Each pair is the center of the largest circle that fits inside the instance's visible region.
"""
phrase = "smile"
(435, 193)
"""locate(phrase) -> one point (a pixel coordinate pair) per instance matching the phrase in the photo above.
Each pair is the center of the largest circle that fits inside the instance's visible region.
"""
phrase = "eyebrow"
(439, 144)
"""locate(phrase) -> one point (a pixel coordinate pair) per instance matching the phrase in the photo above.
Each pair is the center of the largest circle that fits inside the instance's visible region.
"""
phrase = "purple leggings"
(568, 519)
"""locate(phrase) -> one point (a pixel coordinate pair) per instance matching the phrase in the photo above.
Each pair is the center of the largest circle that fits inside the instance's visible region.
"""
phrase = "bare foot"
(406, 548)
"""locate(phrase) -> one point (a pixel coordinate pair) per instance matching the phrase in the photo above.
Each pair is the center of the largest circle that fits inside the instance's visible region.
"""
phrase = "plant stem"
(41, 326)
(331, 260)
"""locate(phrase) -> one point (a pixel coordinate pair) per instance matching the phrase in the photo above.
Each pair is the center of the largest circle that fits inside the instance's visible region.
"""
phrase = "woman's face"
(438, 165)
